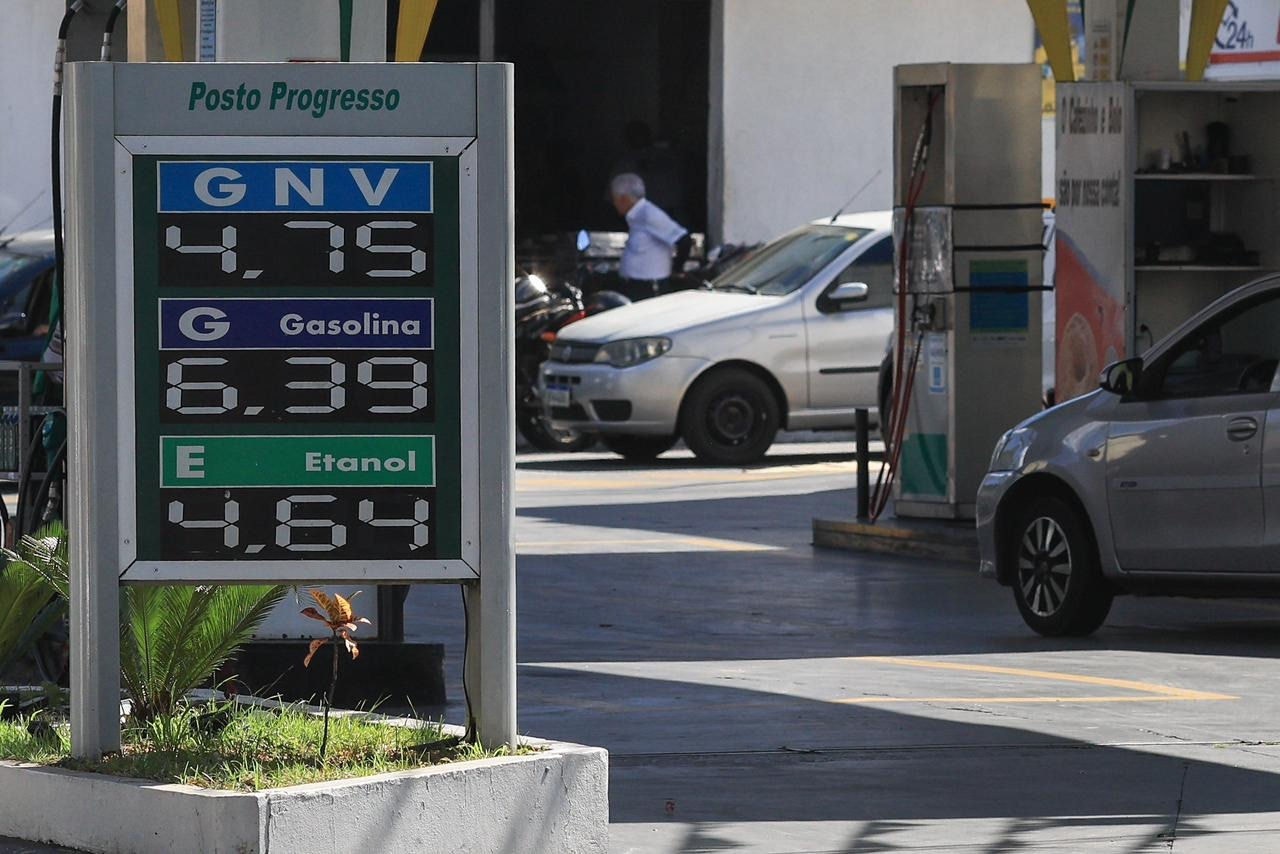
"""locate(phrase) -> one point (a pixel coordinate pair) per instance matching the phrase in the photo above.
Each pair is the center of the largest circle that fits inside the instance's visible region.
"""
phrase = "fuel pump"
(967, 240)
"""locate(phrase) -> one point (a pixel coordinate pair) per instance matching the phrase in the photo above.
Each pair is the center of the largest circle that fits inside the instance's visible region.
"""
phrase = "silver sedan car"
(1165, 480)
(791, 337)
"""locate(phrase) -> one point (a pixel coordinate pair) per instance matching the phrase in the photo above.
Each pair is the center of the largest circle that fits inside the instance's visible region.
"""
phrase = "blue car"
(26, 287)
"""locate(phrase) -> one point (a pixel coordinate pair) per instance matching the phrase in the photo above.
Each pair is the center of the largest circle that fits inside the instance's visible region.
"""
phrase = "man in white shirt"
(646, 261)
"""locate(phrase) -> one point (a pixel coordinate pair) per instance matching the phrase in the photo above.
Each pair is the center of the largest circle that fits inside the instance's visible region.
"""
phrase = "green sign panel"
(297, 356)
(200, 462)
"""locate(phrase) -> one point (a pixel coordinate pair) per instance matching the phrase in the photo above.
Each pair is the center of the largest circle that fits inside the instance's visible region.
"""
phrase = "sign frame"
(482, 338)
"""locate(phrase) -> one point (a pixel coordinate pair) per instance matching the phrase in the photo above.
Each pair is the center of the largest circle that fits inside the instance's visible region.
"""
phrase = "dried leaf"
(364, 620)
(314, 614)
(315, 647)
(351, 646)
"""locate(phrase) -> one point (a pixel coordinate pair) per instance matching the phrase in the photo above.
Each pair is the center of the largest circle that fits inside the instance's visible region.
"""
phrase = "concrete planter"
(553, 801)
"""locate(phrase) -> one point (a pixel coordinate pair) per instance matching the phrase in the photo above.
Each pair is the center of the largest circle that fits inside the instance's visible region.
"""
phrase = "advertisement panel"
(1091, 200)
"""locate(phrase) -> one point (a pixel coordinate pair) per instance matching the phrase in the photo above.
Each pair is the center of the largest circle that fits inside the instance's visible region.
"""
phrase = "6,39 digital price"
(347, 385)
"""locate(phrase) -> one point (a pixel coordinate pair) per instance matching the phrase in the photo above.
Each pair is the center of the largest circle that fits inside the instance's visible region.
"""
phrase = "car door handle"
(1240, 429)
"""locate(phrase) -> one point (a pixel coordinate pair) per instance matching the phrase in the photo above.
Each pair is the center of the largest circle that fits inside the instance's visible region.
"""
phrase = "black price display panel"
(295, 251)
(297, 359)
(281, 522)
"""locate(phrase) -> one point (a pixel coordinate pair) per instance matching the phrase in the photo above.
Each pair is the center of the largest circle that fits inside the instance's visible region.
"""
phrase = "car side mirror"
(584, 241)
(847, 292)
(1121, 377)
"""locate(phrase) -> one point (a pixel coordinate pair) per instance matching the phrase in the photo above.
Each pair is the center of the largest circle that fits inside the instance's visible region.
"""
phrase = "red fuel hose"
(904, 372)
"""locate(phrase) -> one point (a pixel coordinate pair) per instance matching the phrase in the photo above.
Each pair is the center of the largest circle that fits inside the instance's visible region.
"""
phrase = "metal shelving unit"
(1143, 241)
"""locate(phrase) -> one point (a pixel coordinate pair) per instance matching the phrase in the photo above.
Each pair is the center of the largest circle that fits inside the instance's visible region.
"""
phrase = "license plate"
(557, 396)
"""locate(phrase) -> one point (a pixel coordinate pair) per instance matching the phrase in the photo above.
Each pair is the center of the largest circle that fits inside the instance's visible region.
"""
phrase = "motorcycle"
(541, 312)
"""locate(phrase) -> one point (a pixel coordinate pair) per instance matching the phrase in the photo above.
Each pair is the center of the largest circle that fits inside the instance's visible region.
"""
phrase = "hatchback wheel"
(1057, 583)
(730, 417)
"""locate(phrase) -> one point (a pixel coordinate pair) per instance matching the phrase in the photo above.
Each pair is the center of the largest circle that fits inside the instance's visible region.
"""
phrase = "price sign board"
(288, 340)
(300, 340)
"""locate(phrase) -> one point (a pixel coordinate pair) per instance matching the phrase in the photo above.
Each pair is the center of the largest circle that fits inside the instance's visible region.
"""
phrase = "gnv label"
(263, 186)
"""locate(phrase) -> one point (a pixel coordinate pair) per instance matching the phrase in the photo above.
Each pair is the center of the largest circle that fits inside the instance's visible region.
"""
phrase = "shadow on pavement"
(611, 642)
(806, 601)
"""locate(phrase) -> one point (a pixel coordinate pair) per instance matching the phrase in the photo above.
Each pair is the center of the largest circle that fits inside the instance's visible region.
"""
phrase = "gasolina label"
(248, 323)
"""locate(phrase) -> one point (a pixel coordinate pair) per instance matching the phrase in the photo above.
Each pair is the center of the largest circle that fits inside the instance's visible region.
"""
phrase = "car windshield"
(788, 262)
(13, 265)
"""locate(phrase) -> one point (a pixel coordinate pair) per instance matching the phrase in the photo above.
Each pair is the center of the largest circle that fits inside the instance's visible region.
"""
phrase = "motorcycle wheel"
(544, 437)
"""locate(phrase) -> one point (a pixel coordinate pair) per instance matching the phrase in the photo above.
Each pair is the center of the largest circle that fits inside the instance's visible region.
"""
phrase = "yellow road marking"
(868, 701)
(706, 543)
(1147, 691)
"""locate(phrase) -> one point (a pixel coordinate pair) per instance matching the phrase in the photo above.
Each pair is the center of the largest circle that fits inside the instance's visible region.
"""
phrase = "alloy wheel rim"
(733, 418)
(1044, 566)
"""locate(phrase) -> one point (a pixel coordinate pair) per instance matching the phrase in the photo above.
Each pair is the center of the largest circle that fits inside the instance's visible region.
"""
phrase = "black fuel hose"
(110, 28)
(55, 139)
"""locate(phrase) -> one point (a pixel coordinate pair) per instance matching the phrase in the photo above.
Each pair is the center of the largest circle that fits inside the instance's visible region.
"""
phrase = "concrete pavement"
(758, 695)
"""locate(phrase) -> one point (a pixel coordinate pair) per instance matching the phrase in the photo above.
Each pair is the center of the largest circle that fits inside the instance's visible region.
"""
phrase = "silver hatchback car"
(1165, 480)
(791, 337)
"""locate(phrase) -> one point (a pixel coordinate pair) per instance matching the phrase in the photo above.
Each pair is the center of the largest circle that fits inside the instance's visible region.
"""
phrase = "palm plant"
(29, 603)
(172, 638)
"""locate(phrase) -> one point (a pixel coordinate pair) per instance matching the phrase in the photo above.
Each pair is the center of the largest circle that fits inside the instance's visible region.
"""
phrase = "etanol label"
(296, 461)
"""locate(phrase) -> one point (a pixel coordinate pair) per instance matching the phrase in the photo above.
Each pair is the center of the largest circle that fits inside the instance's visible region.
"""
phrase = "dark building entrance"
(601, 87)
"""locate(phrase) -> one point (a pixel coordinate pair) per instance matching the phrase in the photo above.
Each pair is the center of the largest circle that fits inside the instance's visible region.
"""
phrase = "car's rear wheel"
(638, 448)
(1057, 582)
(730, 417)
(884, 397)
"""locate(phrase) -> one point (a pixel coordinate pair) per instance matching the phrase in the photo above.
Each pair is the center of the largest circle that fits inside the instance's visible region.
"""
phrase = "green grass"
(244, 748)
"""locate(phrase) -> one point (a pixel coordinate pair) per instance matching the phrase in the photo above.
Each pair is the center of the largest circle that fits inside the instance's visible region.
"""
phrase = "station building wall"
(801, 100)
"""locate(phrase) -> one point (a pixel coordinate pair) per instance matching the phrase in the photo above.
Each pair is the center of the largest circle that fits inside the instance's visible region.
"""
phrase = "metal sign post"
(289, 343)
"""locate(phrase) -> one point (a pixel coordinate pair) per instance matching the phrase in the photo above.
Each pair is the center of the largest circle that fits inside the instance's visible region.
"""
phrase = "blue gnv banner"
(266, 186)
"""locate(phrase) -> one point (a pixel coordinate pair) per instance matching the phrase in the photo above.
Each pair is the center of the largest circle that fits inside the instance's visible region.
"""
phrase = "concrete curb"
(939, 539)
(556, 800)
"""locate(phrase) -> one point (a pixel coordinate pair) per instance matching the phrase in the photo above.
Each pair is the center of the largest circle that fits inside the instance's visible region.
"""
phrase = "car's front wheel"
(730, 417)
(638, 449)
(1057, 582)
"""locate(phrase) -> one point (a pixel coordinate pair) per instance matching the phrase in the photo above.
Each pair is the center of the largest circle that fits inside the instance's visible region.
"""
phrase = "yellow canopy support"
(1206, 16)
(169, 20)
(412, 28)
(1055, 32)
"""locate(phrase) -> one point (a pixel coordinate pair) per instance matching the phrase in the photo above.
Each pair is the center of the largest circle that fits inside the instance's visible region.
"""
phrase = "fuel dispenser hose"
(904, 373)
(55, 143)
